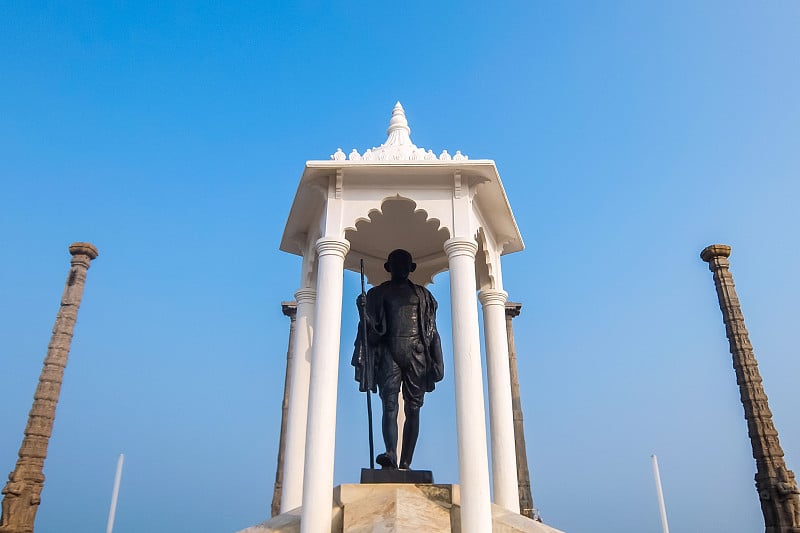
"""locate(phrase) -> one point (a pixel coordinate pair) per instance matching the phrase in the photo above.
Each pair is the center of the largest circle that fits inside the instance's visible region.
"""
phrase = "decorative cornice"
(398, 146)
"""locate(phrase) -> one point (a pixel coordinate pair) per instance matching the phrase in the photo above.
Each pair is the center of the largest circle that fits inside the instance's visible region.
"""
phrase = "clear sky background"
(629, 136)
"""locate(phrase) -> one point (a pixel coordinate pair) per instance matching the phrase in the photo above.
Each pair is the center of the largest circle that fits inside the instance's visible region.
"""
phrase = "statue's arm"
(434, 342)
(437, 358)
(430, 310)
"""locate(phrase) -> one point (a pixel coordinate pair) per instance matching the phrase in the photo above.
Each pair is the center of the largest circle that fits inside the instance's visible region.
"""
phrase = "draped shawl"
(364, 362)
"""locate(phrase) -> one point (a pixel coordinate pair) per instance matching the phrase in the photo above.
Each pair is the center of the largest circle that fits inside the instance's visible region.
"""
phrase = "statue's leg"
(389, 389)
(410, 435)
(389, 425)
(414, 377)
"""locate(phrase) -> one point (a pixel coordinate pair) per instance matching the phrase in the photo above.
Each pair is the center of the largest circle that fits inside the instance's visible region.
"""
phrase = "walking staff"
(363, 312)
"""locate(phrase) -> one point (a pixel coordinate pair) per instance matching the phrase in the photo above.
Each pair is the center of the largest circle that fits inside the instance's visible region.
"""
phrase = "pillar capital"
(289, 309)
(493, 297)
(716, 255)
(82, 254)
(83, 248)
(332, 246)
(460, 246)
(305, 295)
(513, 309)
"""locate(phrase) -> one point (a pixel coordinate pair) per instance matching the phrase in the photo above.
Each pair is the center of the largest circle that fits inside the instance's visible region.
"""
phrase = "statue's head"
(399, 264)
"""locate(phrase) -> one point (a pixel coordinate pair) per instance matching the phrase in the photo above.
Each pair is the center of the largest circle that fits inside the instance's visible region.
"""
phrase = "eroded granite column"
(523, 475)
(21, 495)
(289, 309)
(776, 486)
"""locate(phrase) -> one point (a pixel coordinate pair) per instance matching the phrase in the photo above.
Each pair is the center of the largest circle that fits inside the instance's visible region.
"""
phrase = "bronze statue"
(404, 348)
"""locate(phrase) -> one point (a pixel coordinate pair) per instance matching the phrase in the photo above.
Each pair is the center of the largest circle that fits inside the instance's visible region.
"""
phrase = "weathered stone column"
(523, 475)
(321, 430)
(776, 486)
(297, 410)
(21, 495)
(473, 459)
(501, 421)
(289, 309)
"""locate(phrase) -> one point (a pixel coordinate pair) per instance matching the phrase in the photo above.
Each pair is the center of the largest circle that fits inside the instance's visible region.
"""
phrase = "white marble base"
(400, 508)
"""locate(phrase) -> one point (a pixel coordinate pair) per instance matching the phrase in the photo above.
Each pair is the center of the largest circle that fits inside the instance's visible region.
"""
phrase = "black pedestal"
(369, 475)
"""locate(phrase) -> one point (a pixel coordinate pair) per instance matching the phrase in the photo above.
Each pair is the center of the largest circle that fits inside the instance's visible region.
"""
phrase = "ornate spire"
(398, 145)
(399, 133)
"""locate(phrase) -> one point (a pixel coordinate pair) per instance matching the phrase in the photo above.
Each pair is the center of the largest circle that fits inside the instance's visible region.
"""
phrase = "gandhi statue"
(404, 349)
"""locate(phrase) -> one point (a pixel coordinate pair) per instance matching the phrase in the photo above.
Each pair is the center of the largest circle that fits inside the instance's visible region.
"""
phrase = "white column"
(473, 461)
(321, 428)
(297, 411)
(501, 418)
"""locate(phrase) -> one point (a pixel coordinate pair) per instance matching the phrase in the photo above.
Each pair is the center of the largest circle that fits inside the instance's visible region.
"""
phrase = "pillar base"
(400, 508)
(385, 475)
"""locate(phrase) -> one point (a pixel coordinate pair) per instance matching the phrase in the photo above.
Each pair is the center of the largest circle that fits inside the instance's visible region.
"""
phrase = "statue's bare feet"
(387, 461)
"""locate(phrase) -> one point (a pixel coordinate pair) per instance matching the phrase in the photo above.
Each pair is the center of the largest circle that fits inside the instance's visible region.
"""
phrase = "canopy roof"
(399, 170)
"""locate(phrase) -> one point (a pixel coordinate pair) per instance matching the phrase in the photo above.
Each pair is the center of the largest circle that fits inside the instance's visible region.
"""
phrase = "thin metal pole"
(115, 494)
(661, 508)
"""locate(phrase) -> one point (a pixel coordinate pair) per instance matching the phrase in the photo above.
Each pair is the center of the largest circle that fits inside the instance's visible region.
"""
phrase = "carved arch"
(374, 213)
(399, 222)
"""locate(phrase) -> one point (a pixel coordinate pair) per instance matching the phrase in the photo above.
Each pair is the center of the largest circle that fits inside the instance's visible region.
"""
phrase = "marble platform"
(400, 508)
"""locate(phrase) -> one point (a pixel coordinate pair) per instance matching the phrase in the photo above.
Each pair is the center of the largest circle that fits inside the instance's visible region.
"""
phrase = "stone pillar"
(289, 309)
(776, 485)
(473, 461)
(21, 495)
(321, 430)
(297, 411)
(523, 475)
(504, 467)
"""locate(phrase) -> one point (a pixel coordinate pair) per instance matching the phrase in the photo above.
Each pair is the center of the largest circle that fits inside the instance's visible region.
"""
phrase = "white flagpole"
(115, 494)
(662, 509)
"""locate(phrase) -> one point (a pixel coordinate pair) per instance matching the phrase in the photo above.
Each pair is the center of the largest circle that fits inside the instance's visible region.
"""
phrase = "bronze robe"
(365, 363)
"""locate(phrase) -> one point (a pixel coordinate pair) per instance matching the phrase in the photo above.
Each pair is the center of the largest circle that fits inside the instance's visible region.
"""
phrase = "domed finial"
(398, 145)
(398, 126)
(398, 120)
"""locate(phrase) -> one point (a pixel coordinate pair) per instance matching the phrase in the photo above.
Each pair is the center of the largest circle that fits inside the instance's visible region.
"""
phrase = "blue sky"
(629, 135)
